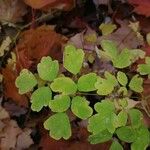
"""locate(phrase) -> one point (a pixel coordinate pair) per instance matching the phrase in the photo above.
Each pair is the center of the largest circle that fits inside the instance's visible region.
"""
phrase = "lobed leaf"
(59, 126)
(116, 146)
(60, 103)
(64, 85)
(48, 69)
(80, 107)
(105, 86)
(25, 81)
(136, 84)
(86, 83)
(73, 59)
(40, 98)
(100, 137)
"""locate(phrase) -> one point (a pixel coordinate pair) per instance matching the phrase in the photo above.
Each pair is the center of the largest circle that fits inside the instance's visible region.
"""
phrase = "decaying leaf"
(10, 90)
(124, 37)
(5, 45)
(51, 4)
(141, 7)
(36, 43)
(12, 10)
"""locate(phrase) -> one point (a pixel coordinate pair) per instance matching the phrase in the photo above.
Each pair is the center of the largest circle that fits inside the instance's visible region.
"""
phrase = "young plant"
(114, 119)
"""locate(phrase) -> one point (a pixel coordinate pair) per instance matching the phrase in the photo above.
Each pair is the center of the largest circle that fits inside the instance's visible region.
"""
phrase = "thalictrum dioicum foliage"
(111, 116)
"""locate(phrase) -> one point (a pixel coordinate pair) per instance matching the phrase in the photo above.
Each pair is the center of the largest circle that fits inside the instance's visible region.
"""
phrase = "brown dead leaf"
(24, 140)
(12, 10)
(9, 135)
(36, 43)
(78, 141)
(51, 4)
(124, 37)
(10, 90)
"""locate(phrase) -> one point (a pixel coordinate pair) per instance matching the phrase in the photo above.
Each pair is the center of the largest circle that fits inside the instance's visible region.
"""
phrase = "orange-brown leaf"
(10, 90)
(36, 43)
(141, 6)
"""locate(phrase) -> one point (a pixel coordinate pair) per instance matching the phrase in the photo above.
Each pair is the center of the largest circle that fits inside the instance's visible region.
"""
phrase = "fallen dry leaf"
(36, 43)
(9, 135)
(10, 90)
(24, 140)
(141, 6)
(12, 10)
(124, 37)
(51, 4)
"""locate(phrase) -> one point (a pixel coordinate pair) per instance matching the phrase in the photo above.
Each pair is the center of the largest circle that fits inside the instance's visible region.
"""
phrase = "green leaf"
(123, 60)
(73, 59)
(107, 28)
(126, 134)
(48, 69)
(105, 107)
(122, 78)
(64, 85)
(96, 123)
(142, 140)
(25, 81)
(136, 84)
(144, 69)
(86, 83)
(136, 118)
(110, 48)
(80, 107)
(40, 98)
(105, 86)
(101, 137)
(60, 103)
(116, 146)
(121, 119)
(59, 126)
(100, 122)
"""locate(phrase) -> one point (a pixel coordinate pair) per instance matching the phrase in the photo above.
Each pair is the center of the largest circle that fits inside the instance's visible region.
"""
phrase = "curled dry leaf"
(12, 10)
(36, 43)
(10, 90)
(51, 4)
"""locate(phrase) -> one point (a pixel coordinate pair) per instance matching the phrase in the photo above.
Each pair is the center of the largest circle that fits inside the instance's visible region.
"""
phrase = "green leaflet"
(100, 137)
(106, 117)
(116, 146)
(110, 48)
(86, 83)
(107, 28)
(102, 107)
(122, 78)
(136, 84)
(73, 59)
(80, 107)
(60, 103)
(136, 118)
(40, 98)
(142, 139)
(126, 134)
(59, 126)
(64, 85)
(123, 59)
(106, 85)
(26, 81)
(48, 69)
(144, 69)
